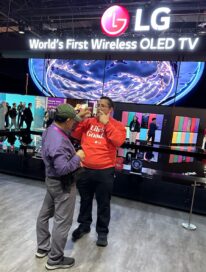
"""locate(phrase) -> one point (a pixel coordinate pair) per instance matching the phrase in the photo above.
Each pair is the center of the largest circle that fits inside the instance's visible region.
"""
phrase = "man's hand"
(81, 154)
(84, 113)
(104, 118)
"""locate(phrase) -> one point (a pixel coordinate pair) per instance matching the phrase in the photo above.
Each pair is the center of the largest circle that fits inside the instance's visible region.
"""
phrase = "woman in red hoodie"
(100, 137)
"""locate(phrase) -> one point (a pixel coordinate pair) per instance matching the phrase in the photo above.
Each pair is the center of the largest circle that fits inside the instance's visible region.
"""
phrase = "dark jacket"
(134, 126)
(152, 128)
(13, 113)
(28, 115)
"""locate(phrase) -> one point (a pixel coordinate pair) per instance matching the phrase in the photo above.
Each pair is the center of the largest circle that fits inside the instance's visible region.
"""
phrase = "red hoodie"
(99, 141)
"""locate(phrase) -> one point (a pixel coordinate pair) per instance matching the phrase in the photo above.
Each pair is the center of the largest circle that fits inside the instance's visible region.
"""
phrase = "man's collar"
(59, 127)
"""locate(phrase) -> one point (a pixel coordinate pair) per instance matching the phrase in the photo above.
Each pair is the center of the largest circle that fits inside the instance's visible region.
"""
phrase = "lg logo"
(115, 20)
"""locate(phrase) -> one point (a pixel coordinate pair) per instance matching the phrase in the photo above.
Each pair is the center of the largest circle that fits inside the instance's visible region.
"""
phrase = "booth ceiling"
(74, 18)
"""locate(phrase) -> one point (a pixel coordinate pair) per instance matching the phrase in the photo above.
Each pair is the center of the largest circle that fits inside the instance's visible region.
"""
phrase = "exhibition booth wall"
(148, 75)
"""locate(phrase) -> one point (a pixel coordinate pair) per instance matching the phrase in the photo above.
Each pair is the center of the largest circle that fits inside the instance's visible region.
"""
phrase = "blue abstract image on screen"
(141, 82)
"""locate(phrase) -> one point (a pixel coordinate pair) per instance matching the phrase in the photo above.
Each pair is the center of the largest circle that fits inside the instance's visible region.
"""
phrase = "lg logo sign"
(115, 20)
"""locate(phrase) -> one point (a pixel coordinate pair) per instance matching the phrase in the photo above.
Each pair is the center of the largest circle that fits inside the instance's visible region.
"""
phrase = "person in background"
(60, 159)
(100, 136)
(12, 115)
(134, 129)
(8, 107)
(51, 114)
(151, 131)
(46, 118)
(28, 116)
(22, 117)
(2, 115)
(19, 110)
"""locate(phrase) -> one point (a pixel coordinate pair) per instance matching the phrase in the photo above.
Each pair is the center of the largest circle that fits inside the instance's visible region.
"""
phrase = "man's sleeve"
(116, 133)
(79, 129)
(64, 164)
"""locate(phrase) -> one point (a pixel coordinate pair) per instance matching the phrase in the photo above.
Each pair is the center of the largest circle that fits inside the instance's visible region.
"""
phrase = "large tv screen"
(141, 82)
(144, 120)
(185, 130)
(180, 159)
(131, 81)
(37, 109)
(150, 156)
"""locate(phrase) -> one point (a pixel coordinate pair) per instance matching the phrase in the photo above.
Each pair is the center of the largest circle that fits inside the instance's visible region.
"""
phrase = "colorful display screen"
(140, 82)
(144, 120)
(38, 106)
(185, 130)
(179, 159)
(146, 156)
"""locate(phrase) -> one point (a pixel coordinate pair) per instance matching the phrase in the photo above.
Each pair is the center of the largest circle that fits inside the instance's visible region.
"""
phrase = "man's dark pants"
(99, 183)
(151, 135)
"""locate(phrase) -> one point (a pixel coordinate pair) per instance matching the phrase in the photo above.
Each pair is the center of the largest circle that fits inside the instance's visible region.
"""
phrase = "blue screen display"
(141, 82)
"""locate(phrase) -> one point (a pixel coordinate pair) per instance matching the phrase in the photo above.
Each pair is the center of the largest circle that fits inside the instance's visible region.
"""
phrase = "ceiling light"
(21, 29)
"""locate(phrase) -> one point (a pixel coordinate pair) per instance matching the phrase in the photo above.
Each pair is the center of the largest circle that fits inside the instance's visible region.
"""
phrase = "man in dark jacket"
(7, 115)
(12, 115)
(21, 111)
(28, 116)
(151, 131)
